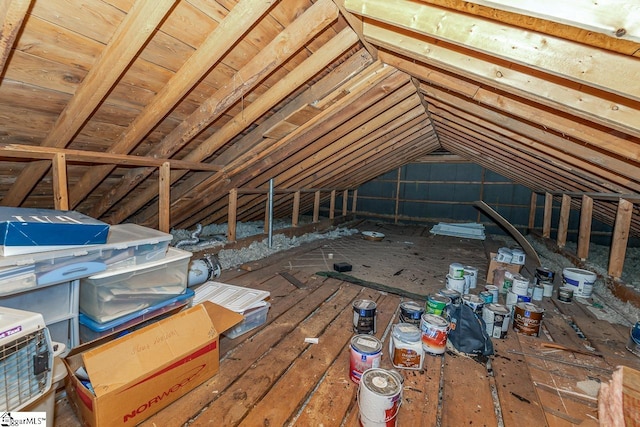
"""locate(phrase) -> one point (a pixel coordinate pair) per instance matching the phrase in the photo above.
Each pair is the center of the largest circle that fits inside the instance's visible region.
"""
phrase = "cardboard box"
(27, 230)
(138, 374)
(493, 265)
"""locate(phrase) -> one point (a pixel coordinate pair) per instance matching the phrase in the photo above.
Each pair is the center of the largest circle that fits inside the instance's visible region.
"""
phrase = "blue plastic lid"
(101, 327)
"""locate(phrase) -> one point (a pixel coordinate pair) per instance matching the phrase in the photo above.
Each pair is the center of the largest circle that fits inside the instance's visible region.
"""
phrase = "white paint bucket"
(457, 284)
(434, 333)
(456, 270)
(520, 285)
(379, 398)
(581, 281)
(471, 274)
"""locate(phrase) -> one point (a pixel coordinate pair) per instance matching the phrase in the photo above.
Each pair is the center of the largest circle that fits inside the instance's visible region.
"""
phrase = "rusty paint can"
(527, 318)
(366, 353)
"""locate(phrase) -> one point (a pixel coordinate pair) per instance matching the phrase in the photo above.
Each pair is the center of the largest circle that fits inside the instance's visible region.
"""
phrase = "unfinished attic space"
(320, 213)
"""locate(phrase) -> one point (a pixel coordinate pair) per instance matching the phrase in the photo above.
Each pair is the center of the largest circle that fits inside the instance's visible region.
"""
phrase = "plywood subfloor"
(271, 377)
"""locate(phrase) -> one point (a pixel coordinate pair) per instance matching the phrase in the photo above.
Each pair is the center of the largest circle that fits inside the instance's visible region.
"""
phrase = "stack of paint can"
(455, 279)
(471, 277)
(545, 277)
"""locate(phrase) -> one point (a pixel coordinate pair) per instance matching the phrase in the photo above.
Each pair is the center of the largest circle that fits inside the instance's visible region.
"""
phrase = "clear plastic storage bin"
(127, 245)
(253, 318)
(121, 291)
(91, 330)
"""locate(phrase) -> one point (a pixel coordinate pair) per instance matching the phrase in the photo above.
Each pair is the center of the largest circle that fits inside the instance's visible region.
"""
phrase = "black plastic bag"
(468, 333)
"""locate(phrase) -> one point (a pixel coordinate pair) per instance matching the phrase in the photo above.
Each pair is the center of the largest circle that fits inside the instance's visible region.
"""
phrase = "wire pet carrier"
(26, 358)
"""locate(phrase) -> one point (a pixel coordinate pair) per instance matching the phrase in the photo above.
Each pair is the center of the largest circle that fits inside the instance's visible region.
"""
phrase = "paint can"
(456, 270)
(366, 352)
(547, 289)
(565, 294)
(434, 333)
(523, 298)
(475, 302)
(379, 398)
(537, 293)
(527, 319)
(507, 282)
(497, 318)
(405, 346)
(504, 255)
(544, 274)
(364, 316)
(437, 304)
(494, 292)
(510, 300)
(520, 285)
(633, 345)
(518, 256)
(471, 275)
(456, 283)
(454, 295)
(581, 280)
(411, 312)
(486, 296)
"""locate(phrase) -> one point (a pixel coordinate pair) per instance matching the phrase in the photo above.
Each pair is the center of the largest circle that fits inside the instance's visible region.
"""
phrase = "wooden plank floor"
(271, 377)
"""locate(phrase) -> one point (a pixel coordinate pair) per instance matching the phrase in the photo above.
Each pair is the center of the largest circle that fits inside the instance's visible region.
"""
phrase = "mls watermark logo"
(8, 419)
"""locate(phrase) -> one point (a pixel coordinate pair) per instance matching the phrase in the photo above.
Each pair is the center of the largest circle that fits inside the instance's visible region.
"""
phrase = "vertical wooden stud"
(620, 238)
(232, 215)
(60, 191)
(584, 232)
(164, 197)
(532, 210)
(345, 202)
(295, 216)
(316, 207)
(332, 205)
(354, 201)
(563, 224)
(548, 212)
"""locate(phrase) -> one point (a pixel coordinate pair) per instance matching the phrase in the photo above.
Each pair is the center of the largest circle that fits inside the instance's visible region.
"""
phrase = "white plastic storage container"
(91, 330)
(58, 305)
(127, 244)
(121, 291)
(249, 302)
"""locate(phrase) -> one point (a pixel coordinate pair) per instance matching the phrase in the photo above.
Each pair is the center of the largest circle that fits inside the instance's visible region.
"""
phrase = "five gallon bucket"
(581, 281)
(379, 398)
